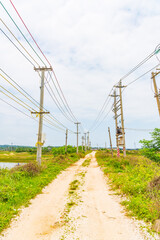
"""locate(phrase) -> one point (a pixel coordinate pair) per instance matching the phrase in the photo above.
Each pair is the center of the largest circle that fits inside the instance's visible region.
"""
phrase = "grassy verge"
(86, 163)
(19, 185)
(138, 178)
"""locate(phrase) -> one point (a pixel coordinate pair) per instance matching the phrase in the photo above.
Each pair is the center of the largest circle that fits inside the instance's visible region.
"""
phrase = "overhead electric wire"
(142, 75)
(106, 102)
(25, 113)
(103, 118)
(61, 97)
(22, 33)
(37, 104)
(136, 129)
(29, 55)
(54, 98)
(125, 76)
(138, 65)
(16, 47)
(19, 42)
(45, 59)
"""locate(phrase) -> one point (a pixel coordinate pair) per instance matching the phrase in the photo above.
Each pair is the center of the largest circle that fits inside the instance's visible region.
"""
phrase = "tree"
(151, 148)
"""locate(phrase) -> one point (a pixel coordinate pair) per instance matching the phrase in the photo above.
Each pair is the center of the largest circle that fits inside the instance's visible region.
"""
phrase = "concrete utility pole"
(88, 140)
(110, 140)
(82, 142)
(157, 95)
(66, 140)
(85, 141)
(41, 112)
(77, 134)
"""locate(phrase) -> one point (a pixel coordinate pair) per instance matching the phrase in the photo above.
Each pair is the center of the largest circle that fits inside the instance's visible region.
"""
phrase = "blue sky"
(91, 45)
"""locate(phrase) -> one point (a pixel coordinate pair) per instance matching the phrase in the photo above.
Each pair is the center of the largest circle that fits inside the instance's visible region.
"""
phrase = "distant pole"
(88, 140)
(77, 123)
(105, 145)
(66, 140)
(110, 140)
(40, 113)
(156, 90)
(85, 141)
(82, 142)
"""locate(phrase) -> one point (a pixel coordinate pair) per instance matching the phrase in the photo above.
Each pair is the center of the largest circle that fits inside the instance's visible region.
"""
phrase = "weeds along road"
(76, 205)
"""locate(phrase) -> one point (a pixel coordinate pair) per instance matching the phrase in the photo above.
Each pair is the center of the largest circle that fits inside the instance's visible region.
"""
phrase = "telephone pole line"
(157, 95)
(110, 140)
(40, 113)
(66, 140)
(77, 123)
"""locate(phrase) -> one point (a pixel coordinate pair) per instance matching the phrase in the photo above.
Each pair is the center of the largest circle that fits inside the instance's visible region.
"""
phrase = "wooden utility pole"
(122, 119)
(157, 95)
(77, 134)
(110, 140)
(116, 108)
(85, 141)
(66, 140)
(40, 113)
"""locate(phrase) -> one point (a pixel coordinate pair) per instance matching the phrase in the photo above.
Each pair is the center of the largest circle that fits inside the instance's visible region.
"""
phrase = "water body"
(8, 165)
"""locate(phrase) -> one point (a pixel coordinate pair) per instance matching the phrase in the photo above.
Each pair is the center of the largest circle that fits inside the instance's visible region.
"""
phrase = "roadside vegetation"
(151, 148)
(24, 182)
(137, 178)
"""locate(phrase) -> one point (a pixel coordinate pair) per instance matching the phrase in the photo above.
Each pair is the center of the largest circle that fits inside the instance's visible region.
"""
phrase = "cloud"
(91, 45)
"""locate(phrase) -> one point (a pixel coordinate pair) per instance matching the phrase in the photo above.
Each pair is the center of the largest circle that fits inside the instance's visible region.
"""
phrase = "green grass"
(17, 157)
(19, 185)
(138, 178)
(86, 163)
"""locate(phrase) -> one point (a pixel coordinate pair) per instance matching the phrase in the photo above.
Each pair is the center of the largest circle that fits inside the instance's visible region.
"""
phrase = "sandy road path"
(89, 212)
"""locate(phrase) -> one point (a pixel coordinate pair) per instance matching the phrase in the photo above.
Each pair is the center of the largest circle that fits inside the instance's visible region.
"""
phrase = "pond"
(8, 165)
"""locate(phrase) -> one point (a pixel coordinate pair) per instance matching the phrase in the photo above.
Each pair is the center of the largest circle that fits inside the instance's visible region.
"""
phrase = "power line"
(16, 47)
(25, 113)
(142, 75)
(137, 129)
(21, 33)
(37, 104)
(45, 59)
(18, 42)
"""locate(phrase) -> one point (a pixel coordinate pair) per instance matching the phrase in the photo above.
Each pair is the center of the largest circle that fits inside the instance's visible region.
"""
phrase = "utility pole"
(77, 134)
(110, 140)
(82, 142)
(157, 95)
(66, 140)
(122, 119)
(116, 115)
(118, 107)
(85, 141)
(41, 112)
(88, 140)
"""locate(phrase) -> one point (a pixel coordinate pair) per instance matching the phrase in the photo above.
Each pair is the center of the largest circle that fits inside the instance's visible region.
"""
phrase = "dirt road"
(77, 205)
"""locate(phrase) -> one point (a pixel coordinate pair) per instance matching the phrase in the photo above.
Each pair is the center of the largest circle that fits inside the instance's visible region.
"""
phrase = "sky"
(91, 45)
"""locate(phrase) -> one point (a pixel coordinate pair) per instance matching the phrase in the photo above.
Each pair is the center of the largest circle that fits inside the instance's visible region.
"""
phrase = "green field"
(138, 179)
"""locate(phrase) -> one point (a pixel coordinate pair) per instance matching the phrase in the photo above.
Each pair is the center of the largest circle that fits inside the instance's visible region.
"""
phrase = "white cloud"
(91, 45)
